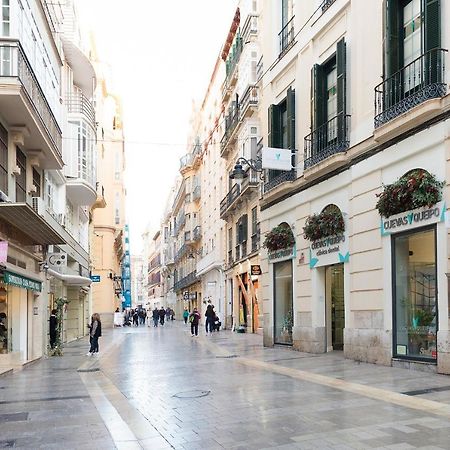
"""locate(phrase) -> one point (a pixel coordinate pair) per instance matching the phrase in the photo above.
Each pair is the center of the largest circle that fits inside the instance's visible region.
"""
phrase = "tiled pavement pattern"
(160, 388)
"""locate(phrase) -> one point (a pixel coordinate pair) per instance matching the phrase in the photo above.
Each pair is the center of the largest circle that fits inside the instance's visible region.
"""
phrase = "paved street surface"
(161, 389)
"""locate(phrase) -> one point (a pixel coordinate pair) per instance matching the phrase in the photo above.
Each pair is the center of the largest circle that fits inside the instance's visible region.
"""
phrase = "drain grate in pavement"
(16, 417)
(192, 394)
(227, 357)
(427, 391)
(7, 444)
(45, 399)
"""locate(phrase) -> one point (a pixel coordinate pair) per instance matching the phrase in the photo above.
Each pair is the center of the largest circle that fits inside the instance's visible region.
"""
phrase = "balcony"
(326, 4)
(233, 59)
(250, 28)
(229, 136)
(421, 80)
(237, 193)
(327, 140)
(277, 180)
(186, 281)
(197, 234)
(181, 220)
(249, 102)
(256, 239)
(186, 162)
(181, 252)
(100, 201)
(286, 37)
(25, 107)
(196, 193)
(78, 104)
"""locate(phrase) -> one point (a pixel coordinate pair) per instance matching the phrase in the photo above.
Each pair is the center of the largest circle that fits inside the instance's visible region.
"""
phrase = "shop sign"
(186, 295)
(193, 296)
(22, 282)
(416, 218)
(95, 278)
(3, 251)
(276, 158)
(57, 261)
(282, 255)
(328, 251)
(256, 270)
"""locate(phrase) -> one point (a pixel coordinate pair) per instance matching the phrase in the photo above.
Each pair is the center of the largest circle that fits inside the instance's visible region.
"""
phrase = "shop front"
(413, 238)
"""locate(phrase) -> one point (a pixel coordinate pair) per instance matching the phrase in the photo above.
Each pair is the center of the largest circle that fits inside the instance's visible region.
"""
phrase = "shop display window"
(283, 302)
(415, 299)
(4, 314)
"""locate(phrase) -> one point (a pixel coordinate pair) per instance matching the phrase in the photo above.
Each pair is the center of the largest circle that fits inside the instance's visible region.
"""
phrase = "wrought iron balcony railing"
(252, 180)
(14, 64)
(78, 103)
(282, 177)
(186, 161)
(231, 122)
(249, 99)
(197, 234)
(186, 281)
(197, 193)
(330, 138)
(287, 36)
(234, 56)
(421, 80)
(250, 27)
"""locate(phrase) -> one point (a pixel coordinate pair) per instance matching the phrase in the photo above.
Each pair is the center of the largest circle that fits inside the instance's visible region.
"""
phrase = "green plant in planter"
(329, 222)
(280, 238)
(57, 349)
(416, 189)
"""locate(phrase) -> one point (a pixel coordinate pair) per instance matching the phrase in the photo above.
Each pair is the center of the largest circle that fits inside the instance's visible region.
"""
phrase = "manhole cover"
(192, 394)
(228, 356)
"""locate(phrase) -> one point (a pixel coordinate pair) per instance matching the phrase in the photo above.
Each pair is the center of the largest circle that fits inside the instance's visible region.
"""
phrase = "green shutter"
(341, 87)
(290, 107)
(433, 41)
(392, 38)
(317, 97)
(274, 135)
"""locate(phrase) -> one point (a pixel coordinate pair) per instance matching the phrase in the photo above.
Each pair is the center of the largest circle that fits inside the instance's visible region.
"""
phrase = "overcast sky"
(161, 54)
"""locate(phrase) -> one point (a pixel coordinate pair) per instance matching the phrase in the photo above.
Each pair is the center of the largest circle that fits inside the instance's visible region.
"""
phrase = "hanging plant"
(280, 238)
(416, 189)
(57, 349)
(329, 222)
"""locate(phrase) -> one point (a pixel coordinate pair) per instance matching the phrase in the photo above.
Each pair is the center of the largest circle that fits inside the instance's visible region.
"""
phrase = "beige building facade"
(359, 97)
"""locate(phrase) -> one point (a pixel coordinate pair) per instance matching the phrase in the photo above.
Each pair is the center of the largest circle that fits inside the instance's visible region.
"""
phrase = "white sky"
(162, 55)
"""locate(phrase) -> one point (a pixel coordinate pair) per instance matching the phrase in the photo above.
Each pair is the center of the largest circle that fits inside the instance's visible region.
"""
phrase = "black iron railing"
(420, 80)
(330, 138)
(256, 238)
(250, 98)
(231, 122)
(282, 177)
(181, 252)
(78, 103)
(197, 233)
(14, 64)
(287, 36)
(250, 27)
(252, 180)
(186, 281)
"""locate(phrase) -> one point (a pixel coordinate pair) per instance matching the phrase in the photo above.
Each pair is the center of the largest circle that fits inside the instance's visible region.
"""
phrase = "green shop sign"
(18, 280)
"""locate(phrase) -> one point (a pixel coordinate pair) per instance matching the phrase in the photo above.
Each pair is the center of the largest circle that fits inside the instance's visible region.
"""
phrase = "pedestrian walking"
(52, 328)
(194, 319)
(95, 331)
(136, 318)
(155, 316)
(167, 314)
(162, 315)
(185, 315)
(210, 316)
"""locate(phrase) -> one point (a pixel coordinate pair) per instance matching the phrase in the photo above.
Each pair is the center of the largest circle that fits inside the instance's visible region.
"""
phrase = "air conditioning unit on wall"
(38, 205)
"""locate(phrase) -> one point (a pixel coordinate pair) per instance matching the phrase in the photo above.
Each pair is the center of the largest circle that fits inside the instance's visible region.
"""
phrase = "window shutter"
(433, 40)
(274, 127)
(244, 221)
(341, 88)
(290, 107)
(317, 97)
(391, 40)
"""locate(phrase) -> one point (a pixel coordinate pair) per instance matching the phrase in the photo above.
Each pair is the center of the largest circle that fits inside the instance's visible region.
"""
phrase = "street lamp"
(239, 173)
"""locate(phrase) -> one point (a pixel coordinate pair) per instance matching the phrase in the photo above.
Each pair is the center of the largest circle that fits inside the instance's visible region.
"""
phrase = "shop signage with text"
(413, 219)
(255, 270)
(329, 250)
(22, 282)
(282, 255)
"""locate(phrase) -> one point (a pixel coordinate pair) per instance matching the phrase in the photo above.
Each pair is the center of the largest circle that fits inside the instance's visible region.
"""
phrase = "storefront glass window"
(415, 302)
(283, 301)
(4, 341)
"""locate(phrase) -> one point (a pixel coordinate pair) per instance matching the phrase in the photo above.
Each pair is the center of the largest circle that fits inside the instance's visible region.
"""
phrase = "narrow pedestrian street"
(161, 388)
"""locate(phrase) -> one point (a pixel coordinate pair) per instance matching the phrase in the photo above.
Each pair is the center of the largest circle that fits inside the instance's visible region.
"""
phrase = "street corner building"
(357, 230)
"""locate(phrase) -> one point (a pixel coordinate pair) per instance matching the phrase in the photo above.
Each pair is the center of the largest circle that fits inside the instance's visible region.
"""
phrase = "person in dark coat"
(210, 316)
(155, 316)
(95, 331)
(52, 328)
(136, 318)
(194, 318)
(162, 315)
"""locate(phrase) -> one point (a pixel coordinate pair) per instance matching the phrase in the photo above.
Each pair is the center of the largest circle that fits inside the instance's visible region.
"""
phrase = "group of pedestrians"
(212, 322)
(160, 316)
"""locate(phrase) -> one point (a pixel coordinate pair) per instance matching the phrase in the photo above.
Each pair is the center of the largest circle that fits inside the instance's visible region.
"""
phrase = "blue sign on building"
(95, 278)
(126, 271)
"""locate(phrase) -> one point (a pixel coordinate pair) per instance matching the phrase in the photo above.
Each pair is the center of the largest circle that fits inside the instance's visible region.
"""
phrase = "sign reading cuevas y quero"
(329, 250)
(14, 279)
(415, 218)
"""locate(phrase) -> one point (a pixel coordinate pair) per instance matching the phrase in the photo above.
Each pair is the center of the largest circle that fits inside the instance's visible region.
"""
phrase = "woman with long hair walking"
(95, 331)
